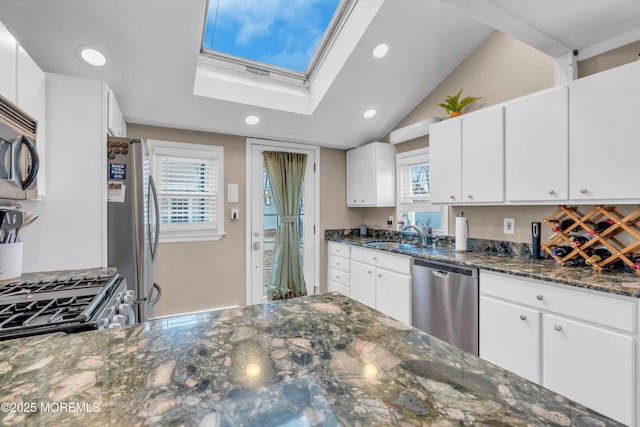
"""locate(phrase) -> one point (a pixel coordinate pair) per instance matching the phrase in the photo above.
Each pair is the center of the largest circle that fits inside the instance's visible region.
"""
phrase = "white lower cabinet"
(364, 287)
(578, 343)
(590, 365)
(509, 337)
(339, 268)
(382, 281)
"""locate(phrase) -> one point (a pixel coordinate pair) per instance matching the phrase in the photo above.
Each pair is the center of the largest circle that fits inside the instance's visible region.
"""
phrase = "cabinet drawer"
(388, 261)
(339, 249)
(339, 287)
(339, 276)
(605, 310)
(339, 263)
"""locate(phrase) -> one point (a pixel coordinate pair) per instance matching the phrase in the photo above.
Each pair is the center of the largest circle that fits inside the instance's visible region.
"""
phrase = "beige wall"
(500, 69)
(204, 275)
(333, 210)
(614, 58)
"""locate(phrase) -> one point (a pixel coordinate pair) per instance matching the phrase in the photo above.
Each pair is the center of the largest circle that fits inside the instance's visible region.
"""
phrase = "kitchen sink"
(394, 245)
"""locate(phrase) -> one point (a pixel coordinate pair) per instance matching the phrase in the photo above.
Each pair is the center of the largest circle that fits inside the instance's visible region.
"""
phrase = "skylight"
(281, 36)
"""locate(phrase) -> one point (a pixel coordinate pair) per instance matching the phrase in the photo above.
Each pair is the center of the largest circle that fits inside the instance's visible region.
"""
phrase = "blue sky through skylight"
(284, 33)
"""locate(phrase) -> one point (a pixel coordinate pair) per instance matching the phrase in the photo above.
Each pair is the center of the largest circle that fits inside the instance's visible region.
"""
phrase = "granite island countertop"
(609, 281)
(318, 360)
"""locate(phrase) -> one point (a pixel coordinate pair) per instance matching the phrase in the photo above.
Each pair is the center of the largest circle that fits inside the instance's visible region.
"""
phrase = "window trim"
(191, 232)
(420, 155)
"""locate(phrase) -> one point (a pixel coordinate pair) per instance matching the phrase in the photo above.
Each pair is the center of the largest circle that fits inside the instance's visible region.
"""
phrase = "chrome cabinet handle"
(551, 192)
(469, 196)
(557, 328)
(452, 197)
(523, 317)
(379, 275)
(583, 190)
(540, 297)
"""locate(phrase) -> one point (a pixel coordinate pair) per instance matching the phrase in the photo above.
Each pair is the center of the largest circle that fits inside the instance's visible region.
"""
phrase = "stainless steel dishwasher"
(444, 302)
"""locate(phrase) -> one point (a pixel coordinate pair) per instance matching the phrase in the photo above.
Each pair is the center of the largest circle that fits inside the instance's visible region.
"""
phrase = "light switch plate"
(232, 193)
(509, 226)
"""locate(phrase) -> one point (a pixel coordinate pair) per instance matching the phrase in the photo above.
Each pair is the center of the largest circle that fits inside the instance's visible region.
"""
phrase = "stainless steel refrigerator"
(133, 220)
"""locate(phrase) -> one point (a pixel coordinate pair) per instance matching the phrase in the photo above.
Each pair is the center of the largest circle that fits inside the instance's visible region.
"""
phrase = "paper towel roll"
(462, 232)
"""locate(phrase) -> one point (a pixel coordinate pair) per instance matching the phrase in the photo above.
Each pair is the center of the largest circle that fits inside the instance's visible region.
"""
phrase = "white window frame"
(420, 155)
(192, 232)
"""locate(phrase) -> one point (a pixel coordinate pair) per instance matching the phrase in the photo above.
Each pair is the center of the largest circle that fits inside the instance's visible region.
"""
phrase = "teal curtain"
(286, 174)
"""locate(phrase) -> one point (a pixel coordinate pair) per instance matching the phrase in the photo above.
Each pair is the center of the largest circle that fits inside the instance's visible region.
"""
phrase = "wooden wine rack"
(609, 238)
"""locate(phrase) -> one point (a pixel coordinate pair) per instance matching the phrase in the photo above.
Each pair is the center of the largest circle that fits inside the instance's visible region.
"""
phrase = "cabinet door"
(537, 147)
(114, 115)
(334, 286)
(393, 294)
(445, 164)
(8, 81)
(363, 283)
(483, 156)
(361, 176)
(590, 365)
(603, 135)
(510, 336)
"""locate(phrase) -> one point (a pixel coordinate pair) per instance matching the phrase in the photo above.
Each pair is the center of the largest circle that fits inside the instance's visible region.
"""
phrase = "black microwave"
(19, 161)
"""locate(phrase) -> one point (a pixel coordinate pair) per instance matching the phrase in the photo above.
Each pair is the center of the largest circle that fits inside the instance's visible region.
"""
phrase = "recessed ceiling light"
(369, 114)
(252, 120)
(92, 56)
(380, 51)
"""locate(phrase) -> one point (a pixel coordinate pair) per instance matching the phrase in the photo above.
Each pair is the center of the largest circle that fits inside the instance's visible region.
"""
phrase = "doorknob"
(256, 246)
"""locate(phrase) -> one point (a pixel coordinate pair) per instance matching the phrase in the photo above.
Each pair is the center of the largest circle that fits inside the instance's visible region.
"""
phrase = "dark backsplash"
(495, 247)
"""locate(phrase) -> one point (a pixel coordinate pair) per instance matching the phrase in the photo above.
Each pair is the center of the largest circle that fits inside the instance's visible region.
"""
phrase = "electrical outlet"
(390, 220)
(509, 226)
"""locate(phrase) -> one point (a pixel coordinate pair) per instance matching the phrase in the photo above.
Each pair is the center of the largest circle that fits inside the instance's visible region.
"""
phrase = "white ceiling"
(152, 48)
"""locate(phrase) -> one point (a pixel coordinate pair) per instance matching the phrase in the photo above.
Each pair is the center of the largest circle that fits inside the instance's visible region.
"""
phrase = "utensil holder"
(10, 262)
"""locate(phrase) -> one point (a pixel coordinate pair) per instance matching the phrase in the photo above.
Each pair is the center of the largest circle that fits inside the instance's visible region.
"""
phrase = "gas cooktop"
(67, 305)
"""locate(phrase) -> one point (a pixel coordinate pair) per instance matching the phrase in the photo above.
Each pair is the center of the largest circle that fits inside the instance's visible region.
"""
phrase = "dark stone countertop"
(613, 282)
(319, 360)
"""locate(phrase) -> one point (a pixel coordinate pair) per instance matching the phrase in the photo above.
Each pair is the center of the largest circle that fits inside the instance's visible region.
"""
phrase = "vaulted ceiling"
(153, 46)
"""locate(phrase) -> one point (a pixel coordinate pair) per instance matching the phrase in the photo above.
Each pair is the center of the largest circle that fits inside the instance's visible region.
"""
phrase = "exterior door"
(264, 220)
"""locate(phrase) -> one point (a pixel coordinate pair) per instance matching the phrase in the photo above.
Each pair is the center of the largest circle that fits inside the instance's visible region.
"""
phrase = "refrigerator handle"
(154, 245)
(157, 287)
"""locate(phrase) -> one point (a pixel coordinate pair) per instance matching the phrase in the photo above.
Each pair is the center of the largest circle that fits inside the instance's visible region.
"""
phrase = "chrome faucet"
(424, 234)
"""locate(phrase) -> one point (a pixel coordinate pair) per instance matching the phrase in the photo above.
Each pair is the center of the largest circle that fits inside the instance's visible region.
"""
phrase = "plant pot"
(453, 114)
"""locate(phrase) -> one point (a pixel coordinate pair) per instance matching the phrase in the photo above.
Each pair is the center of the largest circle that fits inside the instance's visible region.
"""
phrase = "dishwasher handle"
(439, 273)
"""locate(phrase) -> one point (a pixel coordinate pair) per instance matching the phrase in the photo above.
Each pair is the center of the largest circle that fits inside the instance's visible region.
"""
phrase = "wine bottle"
(563, 225)
(579, 240)
(600, 226)
(561, 251)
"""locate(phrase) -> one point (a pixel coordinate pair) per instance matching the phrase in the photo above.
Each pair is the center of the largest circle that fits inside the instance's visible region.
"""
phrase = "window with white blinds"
(190, 191)
(413, 192)
(415, 182)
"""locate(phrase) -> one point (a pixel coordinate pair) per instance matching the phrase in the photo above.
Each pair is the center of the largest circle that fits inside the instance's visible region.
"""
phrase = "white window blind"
(413, 192)
(415, 182)
(189, 184)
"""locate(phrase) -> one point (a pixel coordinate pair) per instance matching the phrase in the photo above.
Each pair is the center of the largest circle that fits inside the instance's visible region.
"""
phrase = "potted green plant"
(454, 106)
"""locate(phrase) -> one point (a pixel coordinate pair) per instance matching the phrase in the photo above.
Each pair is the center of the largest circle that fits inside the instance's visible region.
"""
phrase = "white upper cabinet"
(371, 177)
(445, 153)
(483, 156)
(537, 147)
(115, 122)
(604, 148)
(8, 60)
(467, 158)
